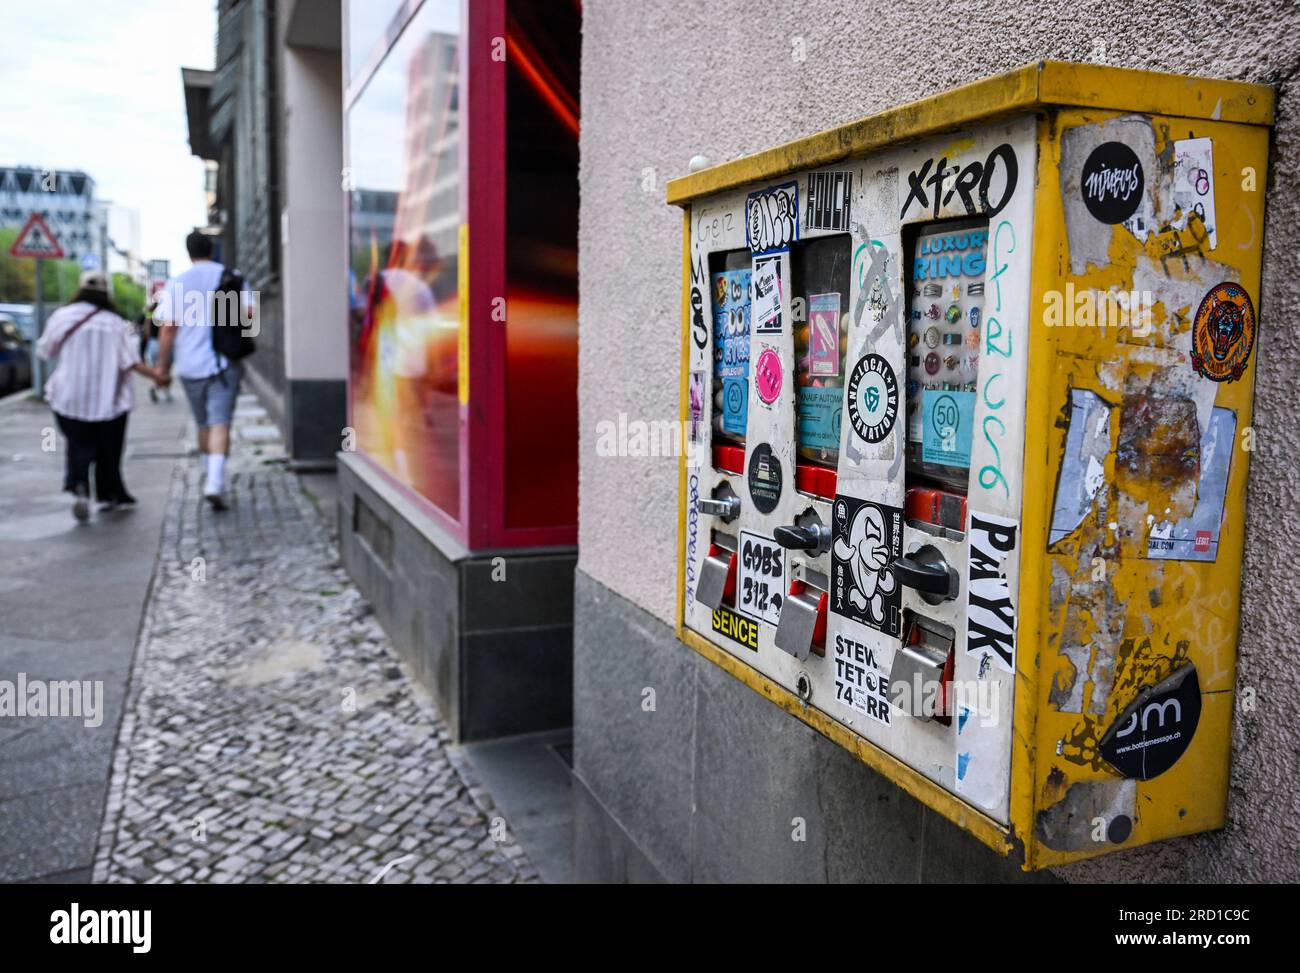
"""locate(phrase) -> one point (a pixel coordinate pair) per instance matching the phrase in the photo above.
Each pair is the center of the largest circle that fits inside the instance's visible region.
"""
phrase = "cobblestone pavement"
(270, 734)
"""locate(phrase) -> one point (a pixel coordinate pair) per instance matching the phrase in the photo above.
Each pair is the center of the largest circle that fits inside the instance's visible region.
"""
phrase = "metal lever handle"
(801, 538)
(935, 579)
(728, 508)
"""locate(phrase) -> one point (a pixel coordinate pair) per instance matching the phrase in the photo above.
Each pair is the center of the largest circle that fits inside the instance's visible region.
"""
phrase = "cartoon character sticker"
(868, 539)
(1223, 333)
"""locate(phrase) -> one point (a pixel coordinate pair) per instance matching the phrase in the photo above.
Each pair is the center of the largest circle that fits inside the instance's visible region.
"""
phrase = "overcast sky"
(91, 85)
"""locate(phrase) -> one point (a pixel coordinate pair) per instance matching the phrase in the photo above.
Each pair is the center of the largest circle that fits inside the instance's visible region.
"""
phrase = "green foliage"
(128, 296)
(58, 281)
(18, 276)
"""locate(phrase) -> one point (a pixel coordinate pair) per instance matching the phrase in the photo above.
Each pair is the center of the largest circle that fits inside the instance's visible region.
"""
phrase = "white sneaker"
(214, 499)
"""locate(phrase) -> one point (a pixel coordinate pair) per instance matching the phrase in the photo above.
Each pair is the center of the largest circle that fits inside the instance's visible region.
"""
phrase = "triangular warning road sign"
(37, 240)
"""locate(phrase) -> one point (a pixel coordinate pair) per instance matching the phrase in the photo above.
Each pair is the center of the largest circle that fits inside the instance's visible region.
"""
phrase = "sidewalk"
(270, 735)
(71, 598)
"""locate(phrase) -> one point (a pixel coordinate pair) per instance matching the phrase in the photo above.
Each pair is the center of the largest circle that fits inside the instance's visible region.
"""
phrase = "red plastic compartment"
(817, 481)
(729, 459)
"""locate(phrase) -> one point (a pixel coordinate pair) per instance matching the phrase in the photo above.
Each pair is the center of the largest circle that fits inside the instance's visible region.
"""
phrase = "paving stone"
(236, 760)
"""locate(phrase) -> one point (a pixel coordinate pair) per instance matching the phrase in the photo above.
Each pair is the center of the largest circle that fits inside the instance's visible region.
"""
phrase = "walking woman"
(90, 390)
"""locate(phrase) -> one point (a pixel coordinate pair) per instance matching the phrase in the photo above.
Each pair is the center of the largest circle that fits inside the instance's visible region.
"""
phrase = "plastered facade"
(664, 82)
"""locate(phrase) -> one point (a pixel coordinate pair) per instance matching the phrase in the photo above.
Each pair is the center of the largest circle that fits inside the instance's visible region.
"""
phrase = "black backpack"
(228, 338)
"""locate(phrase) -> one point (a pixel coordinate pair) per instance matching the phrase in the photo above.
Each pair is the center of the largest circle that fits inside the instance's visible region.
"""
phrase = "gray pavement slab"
(58, 829)
(533, 785)
(71, 599)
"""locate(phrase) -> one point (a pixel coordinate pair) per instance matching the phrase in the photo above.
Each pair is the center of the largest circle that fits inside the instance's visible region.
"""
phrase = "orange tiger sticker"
(1223, 333)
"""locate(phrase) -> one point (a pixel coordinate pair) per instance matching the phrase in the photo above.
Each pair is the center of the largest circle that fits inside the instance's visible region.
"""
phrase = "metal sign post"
(37, 240)
(38, 364)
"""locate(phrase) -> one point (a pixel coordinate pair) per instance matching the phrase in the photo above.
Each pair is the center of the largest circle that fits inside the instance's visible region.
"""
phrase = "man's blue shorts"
(212, 399)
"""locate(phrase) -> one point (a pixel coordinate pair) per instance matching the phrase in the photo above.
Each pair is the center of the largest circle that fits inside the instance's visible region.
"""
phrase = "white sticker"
(1194, 182)
(760, 580)
(982, 760)
(860, 680)
(991, 611)
(766, 310)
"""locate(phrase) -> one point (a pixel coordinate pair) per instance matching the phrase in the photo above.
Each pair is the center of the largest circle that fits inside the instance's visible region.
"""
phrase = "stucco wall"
(666, 79)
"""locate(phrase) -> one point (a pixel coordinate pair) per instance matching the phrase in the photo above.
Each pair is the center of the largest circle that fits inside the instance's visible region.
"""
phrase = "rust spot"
(1080, 745)
(1063, 684)
(1159, 439)
(1054, 789)
(1144, 666)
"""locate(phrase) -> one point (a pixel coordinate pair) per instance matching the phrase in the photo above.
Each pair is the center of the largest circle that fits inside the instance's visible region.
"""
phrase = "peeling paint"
(1087, 444)
(1094, 623)
(1070, 823)
(1060, 587)
(1186, 247)
(1090, 240)
(1138, 664)
(1158, 458)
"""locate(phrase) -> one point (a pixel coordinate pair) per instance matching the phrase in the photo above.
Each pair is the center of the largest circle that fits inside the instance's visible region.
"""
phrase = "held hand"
(161, 378)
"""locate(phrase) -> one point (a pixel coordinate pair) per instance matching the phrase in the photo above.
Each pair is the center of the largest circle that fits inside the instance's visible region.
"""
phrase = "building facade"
(266, 121)
(64, 198)
(458, 490)
(91, 230)
(368, 164)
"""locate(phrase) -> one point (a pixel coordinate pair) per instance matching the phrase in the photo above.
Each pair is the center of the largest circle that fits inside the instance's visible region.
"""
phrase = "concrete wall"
(716, 784)
(493, 650)
(315, 292)
(663, 80)
(313, 360)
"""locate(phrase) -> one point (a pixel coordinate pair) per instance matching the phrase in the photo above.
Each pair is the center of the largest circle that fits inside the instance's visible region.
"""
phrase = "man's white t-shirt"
(186, 301)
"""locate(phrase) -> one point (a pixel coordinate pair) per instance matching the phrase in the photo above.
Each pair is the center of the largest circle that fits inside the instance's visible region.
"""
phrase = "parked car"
(15, 357)
(24, 315)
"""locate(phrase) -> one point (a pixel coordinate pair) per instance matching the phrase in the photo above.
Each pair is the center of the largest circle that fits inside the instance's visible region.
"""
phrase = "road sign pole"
(37, 240)
(38, 366)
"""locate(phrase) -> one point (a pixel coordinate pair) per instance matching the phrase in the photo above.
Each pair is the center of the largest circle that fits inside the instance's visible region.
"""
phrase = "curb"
(22, 395)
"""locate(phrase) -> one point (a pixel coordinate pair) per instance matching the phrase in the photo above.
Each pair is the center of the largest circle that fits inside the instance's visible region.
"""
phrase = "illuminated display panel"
(543, 42)
(404, 217)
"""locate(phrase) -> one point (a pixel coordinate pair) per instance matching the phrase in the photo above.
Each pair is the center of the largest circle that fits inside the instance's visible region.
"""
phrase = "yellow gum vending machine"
(967, 388)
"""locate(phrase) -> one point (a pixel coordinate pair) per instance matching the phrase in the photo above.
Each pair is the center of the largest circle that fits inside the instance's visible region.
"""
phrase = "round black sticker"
(1156, 728)
(764, 478)
(873, 398)
(1112, 182)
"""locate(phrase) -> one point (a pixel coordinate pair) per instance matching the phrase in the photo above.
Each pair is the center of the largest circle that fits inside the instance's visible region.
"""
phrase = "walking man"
(211, 380)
